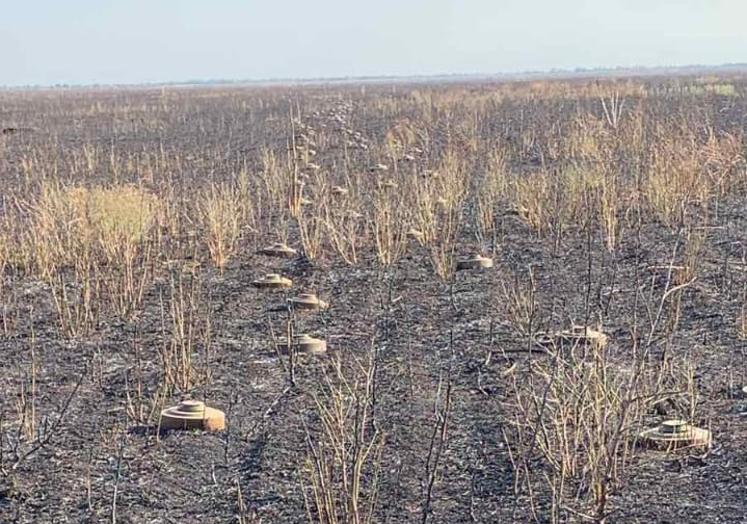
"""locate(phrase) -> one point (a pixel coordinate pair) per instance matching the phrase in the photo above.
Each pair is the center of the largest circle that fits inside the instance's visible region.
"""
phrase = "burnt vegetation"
(131, 228)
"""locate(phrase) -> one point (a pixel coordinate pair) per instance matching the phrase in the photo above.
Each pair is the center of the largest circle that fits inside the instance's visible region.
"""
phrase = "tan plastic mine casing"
(307, 302)
(273, 281)
(673, 434)
(476, 262)
(579, 333)
(304, 344)
(278, 250)
(193, 414)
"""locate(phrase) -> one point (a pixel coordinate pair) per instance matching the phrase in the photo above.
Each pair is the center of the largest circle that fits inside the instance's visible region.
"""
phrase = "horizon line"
(537, 74)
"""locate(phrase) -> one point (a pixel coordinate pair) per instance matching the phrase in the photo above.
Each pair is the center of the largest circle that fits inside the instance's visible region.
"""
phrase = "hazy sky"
(129, 41)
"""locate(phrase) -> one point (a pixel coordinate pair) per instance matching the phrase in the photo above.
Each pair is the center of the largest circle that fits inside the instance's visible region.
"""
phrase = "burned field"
(519, 282)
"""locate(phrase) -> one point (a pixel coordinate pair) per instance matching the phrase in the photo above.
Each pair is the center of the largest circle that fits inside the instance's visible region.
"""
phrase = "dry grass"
(533, 197)
(491, 192)
(222, 209)
(388, 225)
(439, 202)
(186, 332)
(87, 244)
(585, 165)
(342, 464)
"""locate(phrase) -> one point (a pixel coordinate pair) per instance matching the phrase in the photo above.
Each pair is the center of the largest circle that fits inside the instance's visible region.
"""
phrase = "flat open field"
(131, 224)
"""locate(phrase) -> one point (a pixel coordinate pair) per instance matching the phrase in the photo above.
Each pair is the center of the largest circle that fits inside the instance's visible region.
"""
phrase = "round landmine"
(278, 250)
(580, 333)
(675, 433)
(307, 302)
(304, 344)
(475, 262)
(273, 281)
(193, 414)
(339, 191)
